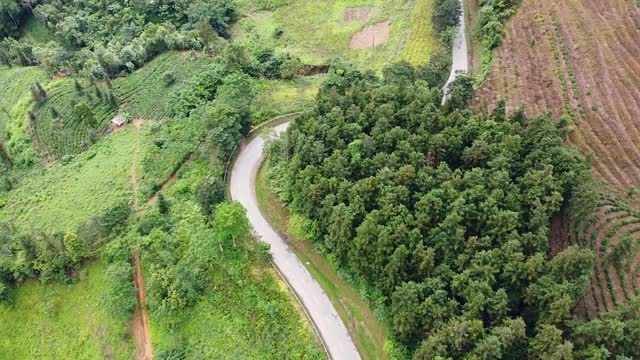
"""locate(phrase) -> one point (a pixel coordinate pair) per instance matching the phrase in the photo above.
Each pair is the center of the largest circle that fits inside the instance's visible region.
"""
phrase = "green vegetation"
(15, 83)
(60, 321)
(368, 334)
(492, 16)
(315, 31)
(59, 197)
(104, 39)
(447, 214)
(276, 97)
(211, 291)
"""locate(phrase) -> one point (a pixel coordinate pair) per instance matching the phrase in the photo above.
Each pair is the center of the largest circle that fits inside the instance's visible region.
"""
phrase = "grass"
(367, 333)
(58, 321)
(35, 32)
(275, 97)
(59, 197)
(315, 31)
(142, 94)
(474, 43)
(422, 39)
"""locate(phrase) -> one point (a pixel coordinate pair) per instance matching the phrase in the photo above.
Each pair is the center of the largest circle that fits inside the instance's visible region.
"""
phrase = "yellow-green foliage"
(422, 40)
(14, 85)
(59, 197)
(315, 31)
(277, 97)
(58, 321)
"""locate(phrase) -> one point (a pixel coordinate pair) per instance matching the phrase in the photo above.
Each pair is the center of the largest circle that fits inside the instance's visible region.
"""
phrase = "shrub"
(169, 78)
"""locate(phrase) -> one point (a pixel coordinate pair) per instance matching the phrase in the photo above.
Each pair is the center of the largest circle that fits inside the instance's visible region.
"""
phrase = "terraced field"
(143, 94)
(581, 59)
(613, 234)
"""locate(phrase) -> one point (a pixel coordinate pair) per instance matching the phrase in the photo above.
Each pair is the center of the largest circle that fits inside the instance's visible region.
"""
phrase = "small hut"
(119, 120)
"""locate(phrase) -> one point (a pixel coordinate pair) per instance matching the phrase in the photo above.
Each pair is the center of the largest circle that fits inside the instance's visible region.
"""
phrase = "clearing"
(321, 30)
(371, 36)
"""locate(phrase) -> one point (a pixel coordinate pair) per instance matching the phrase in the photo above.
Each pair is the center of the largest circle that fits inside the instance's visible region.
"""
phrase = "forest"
(447, 213)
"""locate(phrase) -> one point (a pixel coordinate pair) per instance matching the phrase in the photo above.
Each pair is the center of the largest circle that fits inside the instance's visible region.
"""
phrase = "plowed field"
(580, 58)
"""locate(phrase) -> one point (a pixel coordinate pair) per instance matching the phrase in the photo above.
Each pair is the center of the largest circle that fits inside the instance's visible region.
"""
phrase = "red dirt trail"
(140, 324)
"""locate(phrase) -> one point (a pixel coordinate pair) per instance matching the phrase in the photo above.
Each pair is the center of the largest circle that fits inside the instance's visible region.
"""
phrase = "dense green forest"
(447, 213)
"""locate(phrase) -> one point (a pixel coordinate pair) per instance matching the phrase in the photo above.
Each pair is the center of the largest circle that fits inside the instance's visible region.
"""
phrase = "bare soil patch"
(356, 14)
(371, 36)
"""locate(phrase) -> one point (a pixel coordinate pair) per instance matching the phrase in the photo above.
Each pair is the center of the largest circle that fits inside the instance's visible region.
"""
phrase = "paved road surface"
(324, 315)
(460, 62)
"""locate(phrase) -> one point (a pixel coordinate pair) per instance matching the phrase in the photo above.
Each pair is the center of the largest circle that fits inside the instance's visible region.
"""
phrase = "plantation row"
(63, 126)
(613, 234)
(144, 93)
(56, 122)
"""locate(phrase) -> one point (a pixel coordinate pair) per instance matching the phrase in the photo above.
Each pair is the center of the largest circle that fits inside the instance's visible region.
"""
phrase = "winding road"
(332, 330)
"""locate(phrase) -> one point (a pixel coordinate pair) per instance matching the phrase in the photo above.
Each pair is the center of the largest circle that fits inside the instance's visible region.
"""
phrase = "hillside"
(582, 60)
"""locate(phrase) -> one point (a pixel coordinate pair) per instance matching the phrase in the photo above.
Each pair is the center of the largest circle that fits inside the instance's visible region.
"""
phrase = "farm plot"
(613, 234)
(58, 127)
(581, 59)
(318, 31)
(144, 93)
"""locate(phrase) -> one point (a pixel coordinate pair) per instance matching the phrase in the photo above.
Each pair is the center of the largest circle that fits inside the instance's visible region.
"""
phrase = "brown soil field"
(611, 285)
(371, 36)
(601, 43)
(356, 14)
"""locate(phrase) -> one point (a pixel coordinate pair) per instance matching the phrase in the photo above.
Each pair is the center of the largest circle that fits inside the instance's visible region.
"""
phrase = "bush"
(168, 78)
(210, 192)
(120, 297)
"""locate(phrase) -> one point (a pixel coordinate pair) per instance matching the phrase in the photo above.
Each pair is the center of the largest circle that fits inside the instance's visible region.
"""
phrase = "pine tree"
(77, 86)
(163, 205)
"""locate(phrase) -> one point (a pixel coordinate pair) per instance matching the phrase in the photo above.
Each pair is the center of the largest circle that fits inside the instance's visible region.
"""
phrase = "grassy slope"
(367, 333)
(59, 197)
(315, 31)
(235, 317)
(14, 85)
(276, 97)
(57, 321)
(35, 32)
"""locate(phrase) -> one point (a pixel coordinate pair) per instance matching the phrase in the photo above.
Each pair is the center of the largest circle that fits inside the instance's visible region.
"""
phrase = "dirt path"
(171, 179)
(140, 324)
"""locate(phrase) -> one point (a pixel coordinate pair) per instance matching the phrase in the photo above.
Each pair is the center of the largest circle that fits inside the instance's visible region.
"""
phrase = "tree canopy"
(445, 211)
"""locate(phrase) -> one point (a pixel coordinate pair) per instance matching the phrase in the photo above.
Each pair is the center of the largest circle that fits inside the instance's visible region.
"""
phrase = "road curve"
(325, 317)
(460, 60)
